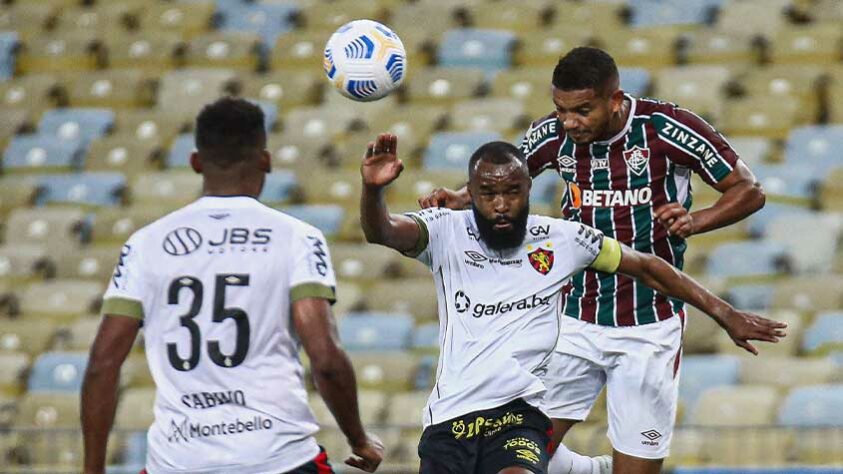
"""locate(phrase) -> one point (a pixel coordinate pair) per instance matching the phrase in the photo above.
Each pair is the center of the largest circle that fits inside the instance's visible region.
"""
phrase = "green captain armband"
(424, 238)
(118, 306)
(609, 258)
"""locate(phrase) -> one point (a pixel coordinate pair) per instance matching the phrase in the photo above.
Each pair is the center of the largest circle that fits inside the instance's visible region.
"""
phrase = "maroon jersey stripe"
(624, 291)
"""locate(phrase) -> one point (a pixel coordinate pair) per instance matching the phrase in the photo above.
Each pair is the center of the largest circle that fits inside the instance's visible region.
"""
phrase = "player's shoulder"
(542, 131)
(539, 226)
(666, 116)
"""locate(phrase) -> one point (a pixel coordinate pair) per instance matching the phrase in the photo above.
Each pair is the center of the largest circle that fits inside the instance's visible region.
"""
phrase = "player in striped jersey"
(626, 163)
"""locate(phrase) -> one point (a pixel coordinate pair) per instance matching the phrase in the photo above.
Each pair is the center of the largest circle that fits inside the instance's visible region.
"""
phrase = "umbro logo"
(651, 437)
(567, 164)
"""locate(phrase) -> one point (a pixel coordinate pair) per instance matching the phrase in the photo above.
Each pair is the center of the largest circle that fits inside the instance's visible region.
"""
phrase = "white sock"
(565, 461)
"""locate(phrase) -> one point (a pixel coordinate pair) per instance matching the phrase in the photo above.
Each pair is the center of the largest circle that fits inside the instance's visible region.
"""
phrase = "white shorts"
(640, 367)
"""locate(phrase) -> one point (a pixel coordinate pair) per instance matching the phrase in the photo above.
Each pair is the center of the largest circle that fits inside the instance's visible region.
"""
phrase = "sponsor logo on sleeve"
(120, 267)
(318, 255)
(590, 239)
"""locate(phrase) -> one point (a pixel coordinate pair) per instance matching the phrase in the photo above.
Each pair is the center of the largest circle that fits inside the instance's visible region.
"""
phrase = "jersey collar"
(226, 201)
(626, 127)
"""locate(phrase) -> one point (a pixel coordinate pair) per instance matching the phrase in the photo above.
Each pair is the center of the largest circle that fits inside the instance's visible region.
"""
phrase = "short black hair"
(498, 153)
(230, 130)
(585, 68)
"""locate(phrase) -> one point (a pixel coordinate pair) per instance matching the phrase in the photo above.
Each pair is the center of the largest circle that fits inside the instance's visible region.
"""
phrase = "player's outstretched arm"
(669, 281)
(380, 167)
(334, 378)
(99, 389)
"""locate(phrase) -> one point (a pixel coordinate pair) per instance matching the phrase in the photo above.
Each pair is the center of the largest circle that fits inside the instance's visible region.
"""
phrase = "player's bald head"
(499, 153)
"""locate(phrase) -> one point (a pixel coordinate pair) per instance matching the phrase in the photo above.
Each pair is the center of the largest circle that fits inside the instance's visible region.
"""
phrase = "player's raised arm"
(99, 389)
(380, 167)
(669, 281)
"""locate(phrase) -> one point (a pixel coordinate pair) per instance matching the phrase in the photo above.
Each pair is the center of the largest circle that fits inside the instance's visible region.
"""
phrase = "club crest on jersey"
(636, 159)
(541, 260)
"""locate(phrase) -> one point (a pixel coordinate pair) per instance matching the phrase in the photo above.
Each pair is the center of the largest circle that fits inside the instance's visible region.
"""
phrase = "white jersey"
(498, 313)
(214, 282)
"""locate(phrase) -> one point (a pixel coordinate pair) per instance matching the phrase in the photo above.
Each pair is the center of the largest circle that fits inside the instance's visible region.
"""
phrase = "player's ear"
(266, 161)
(616, 100)
(195, 162)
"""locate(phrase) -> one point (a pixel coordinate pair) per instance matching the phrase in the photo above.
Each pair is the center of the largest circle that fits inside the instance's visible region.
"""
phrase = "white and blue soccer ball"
(365, 60)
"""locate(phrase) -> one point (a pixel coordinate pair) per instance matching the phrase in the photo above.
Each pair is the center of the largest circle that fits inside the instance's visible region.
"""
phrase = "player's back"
(216, 280)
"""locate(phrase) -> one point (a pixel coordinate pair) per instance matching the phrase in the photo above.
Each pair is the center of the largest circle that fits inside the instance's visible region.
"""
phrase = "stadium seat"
(328, 218)
(788, 183)
(113, 88)
(61, 299)
(770, 117)
(48, 410)
(332, 187)
(135, 373)
(180, 151)
(719, 48)
(115, 225)
(188, 19)
(70, 51)
(781, 81)
(268, 20)
(759, 222)
(642, 47)
(635, 81)
(146, 50)
(372, 404)
(426, 338)
(531, 86)
(419, 183)
(416, 296)
(363, 262)
(28, 336)
(12, 122)
(12, 368)
(134, 410)
(166, 188)
(810, 293)
(489, 115)
(149, 125)
(696, 87)
(701, 331)
(451, 150)
(511, 15)
(597, 17)
(815, 146)
(444, 86)
(819, 446)
(752, 150)
(769, 447)
(33, 93)
(78, 336)
(735, 406)
(17, 191)
(747, 259)
(405, 408)
(49, 227)
(286, 89)
(542, 48)
(812, 249)
(22, 262)
(300, 153)
(184, 92)
(702, 372)
(412, 123)
(750, 296)
(812, 44)
(298, 50)
(58, 372)
(37, 414)
(824, 334)
(831, 191)
(376, 331)
(111, 19)
(314, 122)
(42, 153)
(239, 51)
(97, 188)
(28, 20)
(91, 263)
(278, 187)
(8, 46)
(123, 153)
(786, 372)
(488, 50)
(659, 13)
(752, 17)
(83, 124)
(813, 405)
(387, 371)
(327, 18)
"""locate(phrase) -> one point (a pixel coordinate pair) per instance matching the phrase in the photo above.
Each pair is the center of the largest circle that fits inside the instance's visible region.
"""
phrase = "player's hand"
(443, 197)
(676, 219)
(743, 327)
(368, 455)
(381, 165)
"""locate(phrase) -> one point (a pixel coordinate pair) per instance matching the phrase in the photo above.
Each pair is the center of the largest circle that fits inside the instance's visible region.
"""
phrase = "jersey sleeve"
(695, 144)
(592, 249)
(128, 290)
(431, 224)
(311, 274)
(540, 133)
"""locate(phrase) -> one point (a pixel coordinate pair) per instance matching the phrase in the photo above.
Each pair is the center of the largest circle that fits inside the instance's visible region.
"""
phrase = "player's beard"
(498, 240)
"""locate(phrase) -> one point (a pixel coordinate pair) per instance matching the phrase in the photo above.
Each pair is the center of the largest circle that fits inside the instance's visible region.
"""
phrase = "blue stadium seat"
(451, 150)
(758, 223)
(747, 259)
(34, 152)
(826, 330)
(634, 80)
(702, 372)
(489, 50)
(815, 146)
(544, 188)
(267, 20)
(92, 189)
(278, 186)
(795, 182)
(672, 12)
(180, 151)
(426, 336)
(8, 45)
(813, 405)
(83, 124)
(754, 297)
(325, 217)
(376, 331)
(58, 372)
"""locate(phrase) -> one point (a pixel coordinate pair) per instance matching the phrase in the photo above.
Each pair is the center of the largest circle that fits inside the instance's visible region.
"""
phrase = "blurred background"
(98, 99)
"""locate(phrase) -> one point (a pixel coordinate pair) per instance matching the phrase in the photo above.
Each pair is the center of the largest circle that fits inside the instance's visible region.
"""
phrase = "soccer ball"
(365, 60)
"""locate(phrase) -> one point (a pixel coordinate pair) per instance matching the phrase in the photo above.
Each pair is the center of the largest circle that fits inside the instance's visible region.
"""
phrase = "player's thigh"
(560, 429)
(441, 452)
(626, 464)
(573, 384)
(318, 465)
(642, 389)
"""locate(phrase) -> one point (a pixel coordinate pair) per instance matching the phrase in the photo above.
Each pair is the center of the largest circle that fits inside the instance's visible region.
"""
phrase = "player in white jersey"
(227, 291)
(498, 272)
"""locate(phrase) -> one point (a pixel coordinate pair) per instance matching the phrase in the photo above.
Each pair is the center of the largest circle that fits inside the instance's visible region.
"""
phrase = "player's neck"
(618, 121)
(230, 189)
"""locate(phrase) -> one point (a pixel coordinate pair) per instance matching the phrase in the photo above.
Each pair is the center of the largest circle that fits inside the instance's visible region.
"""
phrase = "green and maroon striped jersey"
(616, 185)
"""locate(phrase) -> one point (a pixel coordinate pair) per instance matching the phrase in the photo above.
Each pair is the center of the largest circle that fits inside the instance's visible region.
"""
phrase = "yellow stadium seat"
(736, 406)
(234, 50)
(420, 25)
(771, 117)
(61, 299)
(819, 446)
(49, 411)
(34, 93)
(720, 48)
(349, 298)
(145, 50)
(749, 447)
(529, 85)
(113, 88)
(814, 44)
(831, 191)
(298, 50)
(123, 153)
(405, 408)
(511, 15)
(327, 17)
(417, 183)
(372, 404)
(545, 47)
(699, 88)
(184, 92)
(135, 373)
(292, 150)
(110, 18)
(134, 410)
(166, 189)
(489, 115)
(22, 262)
(188, 19)
(412, 123)
(834, 99)
(28, 336)
(16, 192)
(363, 262)
(444, 86)
(12, 369)
(389, 371)
(150, 126)
(782, 80)
(753, 17)
(598, 17)
(318, 121)
(72, 51)
(809, 293)
(11, 123)
(91, 263)
(642, 47)
(787, 372)
(588, 439)
(79, 335)
(284, 88)
(115, 225)
(56, 228)
(701, 332)
(414, 296)
(28, 20)
(686, 447)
